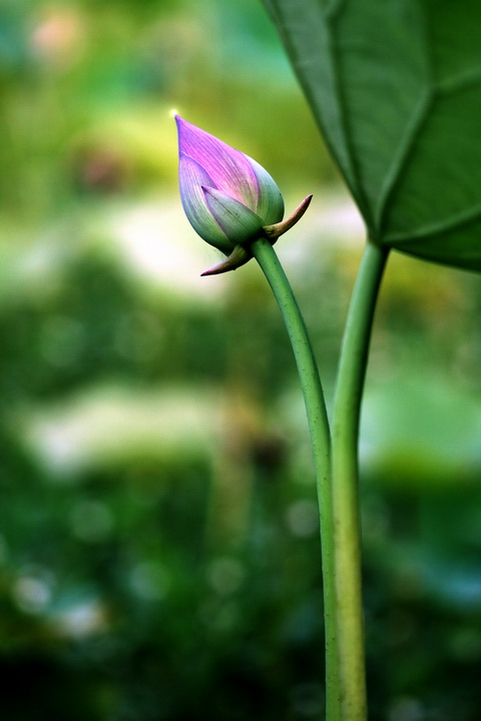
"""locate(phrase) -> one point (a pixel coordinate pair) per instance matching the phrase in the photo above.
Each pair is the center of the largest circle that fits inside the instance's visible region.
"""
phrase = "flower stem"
(318, 422)
(345, 435)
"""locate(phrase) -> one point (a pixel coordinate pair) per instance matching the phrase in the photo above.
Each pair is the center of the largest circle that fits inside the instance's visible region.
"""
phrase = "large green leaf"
(395, 86)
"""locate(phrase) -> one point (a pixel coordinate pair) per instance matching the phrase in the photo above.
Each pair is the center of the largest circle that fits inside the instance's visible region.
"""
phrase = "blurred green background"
(159, 554)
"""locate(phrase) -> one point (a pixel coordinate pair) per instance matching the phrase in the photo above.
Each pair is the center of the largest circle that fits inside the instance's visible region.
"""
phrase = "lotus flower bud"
(228, 198)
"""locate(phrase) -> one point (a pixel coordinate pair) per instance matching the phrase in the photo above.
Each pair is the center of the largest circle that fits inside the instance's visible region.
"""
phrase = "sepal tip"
(238, 257)
(272, 232)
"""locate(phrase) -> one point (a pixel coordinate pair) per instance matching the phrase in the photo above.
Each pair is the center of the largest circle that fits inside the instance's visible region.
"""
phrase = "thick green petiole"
(345, 436)
(265, 255)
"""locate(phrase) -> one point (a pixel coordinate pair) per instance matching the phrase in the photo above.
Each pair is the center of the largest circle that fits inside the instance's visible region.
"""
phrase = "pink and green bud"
(228, 198)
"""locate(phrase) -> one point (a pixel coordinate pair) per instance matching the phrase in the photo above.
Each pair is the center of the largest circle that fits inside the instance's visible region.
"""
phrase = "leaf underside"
(395, 86)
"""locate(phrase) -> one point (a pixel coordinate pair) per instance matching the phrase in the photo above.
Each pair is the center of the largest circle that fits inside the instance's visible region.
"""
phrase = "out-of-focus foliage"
(159, 556)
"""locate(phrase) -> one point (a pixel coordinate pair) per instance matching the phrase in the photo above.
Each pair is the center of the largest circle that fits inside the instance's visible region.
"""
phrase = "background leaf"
(396, 89)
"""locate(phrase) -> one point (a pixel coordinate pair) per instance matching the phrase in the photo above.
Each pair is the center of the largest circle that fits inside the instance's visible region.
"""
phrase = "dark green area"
(396, 89)
(159, 553)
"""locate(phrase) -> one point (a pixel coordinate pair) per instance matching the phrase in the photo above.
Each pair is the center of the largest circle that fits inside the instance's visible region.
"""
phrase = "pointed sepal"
(272, 232)
(238, 257)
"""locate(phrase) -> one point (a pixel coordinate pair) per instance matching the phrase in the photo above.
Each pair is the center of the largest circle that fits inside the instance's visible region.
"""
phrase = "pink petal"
(191, 179)
(229, 169)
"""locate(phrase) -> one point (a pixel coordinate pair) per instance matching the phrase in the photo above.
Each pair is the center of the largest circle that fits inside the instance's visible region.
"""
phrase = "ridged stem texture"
(345, 484)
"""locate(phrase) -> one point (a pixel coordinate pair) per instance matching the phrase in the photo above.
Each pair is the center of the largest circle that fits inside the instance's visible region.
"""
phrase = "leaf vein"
(413, 128)
(355, 184)
(460, 82)
(451, 223)
(401, 157)
(334, 8)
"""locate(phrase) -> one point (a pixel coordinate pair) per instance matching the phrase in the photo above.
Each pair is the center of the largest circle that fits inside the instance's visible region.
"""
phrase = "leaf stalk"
(345, 483)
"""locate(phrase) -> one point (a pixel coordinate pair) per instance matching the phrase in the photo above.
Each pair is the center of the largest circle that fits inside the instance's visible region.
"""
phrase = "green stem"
(345, 435)
(320, 439)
